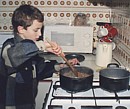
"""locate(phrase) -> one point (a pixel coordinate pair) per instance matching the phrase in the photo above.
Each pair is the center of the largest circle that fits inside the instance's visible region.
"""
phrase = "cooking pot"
(76, 84)
(114, 78)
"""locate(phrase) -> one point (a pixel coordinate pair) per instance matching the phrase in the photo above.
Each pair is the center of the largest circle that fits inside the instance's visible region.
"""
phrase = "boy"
(21, 56)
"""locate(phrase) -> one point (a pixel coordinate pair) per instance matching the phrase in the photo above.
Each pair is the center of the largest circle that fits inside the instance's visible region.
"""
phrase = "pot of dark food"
(114, 78)
(71, 83)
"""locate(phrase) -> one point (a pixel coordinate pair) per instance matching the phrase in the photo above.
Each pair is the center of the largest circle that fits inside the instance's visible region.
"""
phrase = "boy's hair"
(25, 15)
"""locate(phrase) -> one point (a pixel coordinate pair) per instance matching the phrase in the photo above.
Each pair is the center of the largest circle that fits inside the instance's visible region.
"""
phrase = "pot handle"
(112, 65)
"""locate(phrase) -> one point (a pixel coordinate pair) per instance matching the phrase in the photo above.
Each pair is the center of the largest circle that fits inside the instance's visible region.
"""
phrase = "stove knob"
(71, 108)
(120, 107)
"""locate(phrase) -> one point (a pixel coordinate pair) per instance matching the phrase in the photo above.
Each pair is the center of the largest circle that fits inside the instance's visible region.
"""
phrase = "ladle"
(63, 57)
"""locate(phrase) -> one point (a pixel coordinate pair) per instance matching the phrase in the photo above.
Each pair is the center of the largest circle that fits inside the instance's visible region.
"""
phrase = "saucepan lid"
(79, 57)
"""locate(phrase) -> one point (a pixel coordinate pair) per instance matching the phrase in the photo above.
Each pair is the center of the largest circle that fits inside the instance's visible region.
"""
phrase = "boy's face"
(32, 32)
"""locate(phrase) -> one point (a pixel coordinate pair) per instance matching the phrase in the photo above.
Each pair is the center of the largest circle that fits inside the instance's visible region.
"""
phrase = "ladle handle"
(63, 57)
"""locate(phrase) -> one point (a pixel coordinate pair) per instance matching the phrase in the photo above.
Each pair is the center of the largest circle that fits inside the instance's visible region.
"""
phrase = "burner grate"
(94, 93)
(90, 99)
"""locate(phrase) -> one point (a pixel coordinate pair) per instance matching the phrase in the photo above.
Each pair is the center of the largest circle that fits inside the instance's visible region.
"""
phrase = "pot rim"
(113, 78)
(77, 66)
(90, 71)
(114, 69)
(107, 70)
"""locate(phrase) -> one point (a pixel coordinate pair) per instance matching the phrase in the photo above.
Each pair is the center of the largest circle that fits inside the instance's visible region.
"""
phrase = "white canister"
(103, 54)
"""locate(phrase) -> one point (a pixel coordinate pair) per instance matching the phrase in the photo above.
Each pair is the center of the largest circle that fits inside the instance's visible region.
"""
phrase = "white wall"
(4, 36)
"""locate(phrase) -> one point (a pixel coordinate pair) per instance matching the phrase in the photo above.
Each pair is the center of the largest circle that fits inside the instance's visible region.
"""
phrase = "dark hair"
(25, 15)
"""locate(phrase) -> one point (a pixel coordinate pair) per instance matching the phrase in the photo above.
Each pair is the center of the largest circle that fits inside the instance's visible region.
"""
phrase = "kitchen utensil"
(63, 57)
(113, 78)
(112, 32)
(72, 68)
(70, 83)
(102, 32)
(79, 57)
(105, 39)
(104, 53)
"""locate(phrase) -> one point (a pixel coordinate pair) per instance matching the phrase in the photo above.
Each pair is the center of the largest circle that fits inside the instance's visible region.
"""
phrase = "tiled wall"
(56, 11)
(121, 19)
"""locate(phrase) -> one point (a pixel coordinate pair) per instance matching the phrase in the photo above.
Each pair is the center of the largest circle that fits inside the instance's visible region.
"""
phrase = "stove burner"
(71, 108)
(120, 107)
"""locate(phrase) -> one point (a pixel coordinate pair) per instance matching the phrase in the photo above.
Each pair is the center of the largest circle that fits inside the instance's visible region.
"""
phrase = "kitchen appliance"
(74, 39)
(94, 98)
(104, 53)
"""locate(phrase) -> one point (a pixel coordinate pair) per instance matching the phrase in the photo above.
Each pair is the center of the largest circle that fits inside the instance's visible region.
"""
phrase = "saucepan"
(70, 83)
(113, 78)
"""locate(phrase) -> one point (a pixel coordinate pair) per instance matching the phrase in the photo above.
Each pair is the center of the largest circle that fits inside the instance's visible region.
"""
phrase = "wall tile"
(56, 11)
(121, 18)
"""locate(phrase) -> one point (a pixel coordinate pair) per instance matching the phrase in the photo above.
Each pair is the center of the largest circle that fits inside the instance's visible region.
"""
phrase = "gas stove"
(94, 98)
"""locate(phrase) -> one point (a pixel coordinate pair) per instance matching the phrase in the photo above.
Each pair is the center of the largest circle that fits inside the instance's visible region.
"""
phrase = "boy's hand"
(53, 48)
(71, 61)
(56, 49)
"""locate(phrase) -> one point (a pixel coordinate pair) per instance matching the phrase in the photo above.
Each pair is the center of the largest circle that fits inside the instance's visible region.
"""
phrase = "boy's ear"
(20, 29)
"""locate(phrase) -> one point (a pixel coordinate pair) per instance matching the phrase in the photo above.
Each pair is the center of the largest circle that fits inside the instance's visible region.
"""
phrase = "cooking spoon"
(63, 57)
